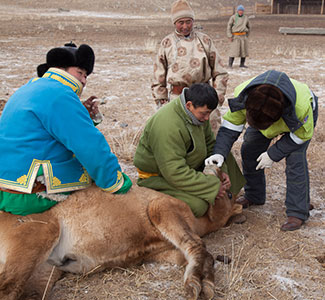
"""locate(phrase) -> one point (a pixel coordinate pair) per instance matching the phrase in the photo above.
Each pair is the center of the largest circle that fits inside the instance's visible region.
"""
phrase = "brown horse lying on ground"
(95, 229)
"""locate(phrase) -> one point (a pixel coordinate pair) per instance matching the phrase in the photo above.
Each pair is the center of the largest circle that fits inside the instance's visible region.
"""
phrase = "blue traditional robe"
(45, 124)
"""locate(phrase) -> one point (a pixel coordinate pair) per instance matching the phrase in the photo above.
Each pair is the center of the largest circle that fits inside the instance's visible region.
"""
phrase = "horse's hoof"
(193, 289)
(239, 219)
(208, 289)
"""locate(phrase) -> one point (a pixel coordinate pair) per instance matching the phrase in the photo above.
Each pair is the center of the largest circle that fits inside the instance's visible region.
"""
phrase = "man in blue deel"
(48, 141)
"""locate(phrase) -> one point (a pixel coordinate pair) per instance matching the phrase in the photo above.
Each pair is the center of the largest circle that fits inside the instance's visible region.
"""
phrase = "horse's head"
(226, 207)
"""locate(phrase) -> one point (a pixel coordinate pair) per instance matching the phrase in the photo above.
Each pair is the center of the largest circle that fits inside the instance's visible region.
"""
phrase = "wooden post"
(322, 8)
(299, 7)
(272, 7)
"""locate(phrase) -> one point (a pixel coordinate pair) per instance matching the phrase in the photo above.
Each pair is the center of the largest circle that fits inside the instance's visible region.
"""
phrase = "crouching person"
(273, 105)
(173, 146)
(48, 141)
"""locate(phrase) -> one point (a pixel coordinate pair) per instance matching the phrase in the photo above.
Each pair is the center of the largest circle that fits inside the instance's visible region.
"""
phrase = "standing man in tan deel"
(238, 30)
(187, 56)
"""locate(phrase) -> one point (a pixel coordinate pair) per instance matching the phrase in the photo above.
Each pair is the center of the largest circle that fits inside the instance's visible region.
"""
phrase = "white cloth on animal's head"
(211, 170)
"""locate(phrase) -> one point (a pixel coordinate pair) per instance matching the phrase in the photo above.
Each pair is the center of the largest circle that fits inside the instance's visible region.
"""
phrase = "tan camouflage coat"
(187, 60)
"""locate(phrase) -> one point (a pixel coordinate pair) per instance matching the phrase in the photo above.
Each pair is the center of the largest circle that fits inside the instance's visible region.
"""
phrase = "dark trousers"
(297, 176)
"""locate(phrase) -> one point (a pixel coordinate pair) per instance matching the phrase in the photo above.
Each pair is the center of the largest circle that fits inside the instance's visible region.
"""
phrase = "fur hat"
(69, 56)
(264, 106)
(181, 9)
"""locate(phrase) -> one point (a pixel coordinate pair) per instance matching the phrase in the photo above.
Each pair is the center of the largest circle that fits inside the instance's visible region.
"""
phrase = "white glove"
(218, 158)
(264, 161)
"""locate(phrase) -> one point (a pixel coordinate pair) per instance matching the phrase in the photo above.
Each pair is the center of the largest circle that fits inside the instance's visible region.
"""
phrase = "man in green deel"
(173, 146)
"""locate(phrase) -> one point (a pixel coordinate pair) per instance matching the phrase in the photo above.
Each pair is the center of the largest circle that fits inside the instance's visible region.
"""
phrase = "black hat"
(264, 106)
(69, 56)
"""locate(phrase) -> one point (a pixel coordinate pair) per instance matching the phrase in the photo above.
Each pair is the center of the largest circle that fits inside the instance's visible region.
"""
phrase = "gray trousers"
(297, 176)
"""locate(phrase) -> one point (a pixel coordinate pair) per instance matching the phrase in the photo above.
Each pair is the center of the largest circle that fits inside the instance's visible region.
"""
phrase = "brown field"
(266, 263)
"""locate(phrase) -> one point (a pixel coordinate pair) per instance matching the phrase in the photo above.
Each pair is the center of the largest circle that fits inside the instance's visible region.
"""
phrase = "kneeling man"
(173, 146)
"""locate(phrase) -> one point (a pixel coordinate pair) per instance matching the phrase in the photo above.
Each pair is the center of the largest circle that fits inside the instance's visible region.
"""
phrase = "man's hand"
(264, 161)
(215, 158)
(92, 106)
(226, 180)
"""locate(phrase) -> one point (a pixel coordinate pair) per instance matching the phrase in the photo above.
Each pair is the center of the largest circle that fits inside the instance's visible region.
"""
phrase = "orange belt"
(38, 187)
(239, 33)
(177, 89)
(145, 175)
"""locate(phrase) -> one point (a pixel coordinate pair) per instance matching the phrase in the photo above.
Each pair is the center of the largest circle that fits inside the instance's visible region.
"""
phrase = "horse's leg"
(208, 280)
(41, 282)
(172, 219)
(168, 254)
(25, 244)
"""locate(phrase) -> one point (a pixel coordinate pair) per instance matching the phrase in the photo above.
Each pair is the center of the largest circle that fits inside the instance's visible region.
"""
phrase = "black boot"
(231, 61)
(242, 62)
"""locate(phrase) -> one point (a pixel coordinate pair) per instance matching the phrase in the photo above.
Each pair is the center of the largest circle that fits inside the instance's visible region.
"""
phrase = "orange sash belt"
(239, 33)
(145, 175)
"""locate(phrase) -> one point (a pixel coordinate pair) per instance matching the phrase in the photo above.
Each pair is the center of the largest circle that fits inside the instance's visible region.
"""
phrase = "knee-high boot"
(231, 61)
(242, 62)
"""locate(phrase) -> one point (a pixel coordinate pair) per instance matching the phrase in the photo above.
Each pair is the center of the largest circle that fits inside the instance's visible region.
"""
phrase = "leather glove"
(264, 161)
(215, 158)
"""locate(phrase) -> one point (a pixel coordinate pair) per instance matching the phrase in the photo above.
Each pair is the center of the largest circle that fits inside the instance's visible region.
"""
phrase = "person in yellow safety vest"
(238, 30)
(273, 105)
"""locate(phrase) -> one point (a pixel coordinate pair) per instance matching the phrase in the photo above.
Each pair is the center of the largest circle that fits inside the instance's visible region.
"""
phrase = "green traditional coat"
(174, 149)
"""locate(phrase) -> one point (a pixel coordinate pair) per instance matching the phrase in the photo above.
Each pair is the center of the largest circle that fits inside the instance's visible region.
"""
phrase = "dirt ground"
(266, 263)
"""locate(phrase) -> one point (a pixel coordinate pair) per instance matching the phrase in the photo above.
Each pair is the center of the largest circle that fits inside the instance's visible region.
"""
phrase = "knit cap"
(181, 9)
(240, 7)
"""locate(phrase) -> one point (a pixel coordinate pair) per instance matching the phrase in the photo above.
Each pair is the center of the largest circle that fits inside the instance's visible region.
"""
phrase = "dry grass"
(151, 45)
(125, 143)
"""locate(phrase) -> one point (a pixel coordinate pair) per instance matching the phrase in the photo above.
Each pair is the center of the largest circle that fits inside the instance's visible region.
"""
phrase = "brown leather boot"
(292, 224)
(244, 202)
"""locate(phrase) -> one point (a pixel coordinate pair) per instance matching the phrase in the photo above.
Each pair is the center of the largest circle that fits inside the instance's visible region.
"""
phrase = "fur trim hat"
(181, 9)
(264, 106)
(69, 56)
